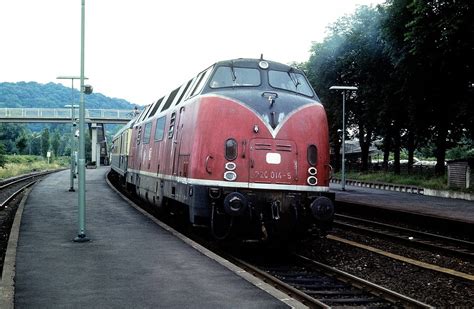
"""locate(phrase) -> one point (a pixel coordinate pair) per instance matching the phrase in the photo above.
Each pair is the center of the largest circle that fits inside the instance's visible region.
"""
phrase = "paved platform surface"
(130, 261)
(455, 209)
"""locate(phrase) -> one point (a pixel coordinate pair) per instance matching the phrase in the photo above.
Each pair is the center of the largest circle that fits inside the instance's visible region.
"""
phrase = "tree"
(352, 55)
(2, 156)
(45, 142)
(56, 142)
(34, 144)
(22, 143)
(8, 135)
(441, 38)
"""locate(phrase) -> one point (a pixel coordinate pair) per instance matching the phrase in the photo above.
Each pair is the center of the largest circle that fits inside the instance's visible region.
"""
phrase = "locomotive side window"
(147, 133)
(235, 77)
(155, 107)
(201, 81)
(160, 128)
(292, 81)
(170, 99)
(183, 93)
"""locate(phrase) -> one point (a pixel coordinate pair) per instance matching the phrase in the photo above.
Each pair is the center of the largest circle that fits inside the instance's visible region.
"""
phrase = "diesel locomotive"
(241, 148)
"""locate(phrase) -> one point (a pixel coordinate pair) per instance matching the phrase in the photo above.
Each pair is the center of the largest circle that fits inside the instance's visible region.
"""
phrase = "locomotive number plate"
(266, 174)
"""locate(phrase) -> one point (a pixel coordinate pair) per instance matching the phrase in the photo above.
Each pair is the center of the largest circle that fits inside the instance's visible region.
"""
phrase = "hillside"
(51, 95)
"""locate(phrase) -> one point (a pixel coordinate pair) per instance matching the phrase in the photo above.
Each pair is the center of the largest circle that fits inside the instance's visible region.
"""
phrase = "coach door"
(273, 161)
(177, 140)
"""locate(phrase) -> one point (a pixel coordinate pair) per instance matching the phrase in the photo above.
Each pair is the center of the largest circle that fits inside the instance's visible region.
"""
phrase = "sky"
(140, 50)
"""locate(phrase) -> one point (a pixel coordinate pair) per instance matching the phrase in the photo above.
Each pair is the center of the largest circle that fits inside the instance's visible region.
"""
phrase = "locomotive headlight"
(312, 171)
(263, 65)
(230, 176)
(230, 166)
(312, 180)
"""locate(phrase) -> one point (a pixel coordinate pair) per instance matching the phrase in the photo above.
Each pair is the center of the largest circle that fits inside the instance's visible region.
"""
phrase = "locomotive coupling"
(322, 209)
(235, 204)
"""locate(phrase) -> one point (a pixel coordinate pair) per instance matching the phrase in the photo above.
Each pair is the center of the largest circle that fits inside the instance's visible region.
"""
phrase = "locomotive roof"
(249, 62)
(196, 85)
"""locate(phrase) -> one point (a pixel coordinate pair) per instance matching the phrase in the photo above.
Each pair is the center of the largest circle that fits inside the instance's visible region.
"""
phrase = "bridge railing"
(62, 113)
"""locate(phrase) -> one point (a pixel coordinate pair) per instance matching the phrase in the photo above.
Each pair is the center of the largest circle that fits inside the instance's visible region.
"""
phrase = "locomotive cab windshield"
(231, 76)
(291, 81)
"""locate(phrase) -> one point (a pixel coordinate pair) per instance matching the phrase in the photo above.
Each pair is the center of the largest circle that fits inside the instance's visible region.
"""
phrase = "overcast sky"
(139, 50)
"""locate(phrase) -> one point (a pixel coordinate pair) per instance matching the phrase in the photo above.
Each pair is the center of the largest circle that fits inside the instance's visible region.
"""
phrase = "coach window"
(235, 77)
(147, 133)
(291, 81)
(160, 128)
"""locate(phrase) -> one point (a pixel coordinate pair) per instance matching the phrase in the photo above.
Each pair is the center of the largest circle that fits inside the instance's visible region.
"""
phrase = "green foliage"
(437, 183)
(412, 61)
(17, 165)
(9, 133)
(22, 143)
(465, 151)
(24, 138)
(55, 143)
(51, 95)
(22, 159)
(45, 142)
(2, 155)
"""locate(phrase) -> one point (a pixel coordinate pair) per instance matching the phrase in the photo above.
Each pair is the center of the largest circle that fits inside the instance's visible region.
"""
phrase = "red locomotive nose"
(322, 209)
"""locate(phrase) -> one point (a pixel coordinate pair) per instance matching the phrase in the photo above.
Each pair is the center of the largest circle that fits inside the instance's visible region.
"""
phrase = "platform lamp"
(73, 125)
(343, 88)
(85, 89)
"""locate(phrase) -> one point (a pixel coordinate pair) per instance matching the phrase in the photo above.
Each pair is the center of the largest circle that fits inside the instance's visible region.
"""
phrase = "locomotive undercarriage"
(255, 215)
(245, 214)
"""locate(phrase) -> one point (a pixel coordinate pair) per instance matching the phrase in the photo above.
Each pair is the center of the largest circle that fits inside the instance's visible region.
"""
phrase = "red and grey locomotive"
(242, 148)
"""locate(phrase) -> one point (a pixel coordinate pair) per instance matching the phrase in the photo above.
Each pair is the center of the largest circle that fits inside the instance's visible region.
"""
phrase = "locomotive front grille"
(273, 161)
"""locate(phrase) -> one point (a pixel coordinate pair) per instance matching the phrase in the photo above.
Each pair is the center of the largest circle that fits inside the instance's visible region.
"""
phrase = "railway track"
(10, 188)
(437, 243)
(310, 282)
(321, 286)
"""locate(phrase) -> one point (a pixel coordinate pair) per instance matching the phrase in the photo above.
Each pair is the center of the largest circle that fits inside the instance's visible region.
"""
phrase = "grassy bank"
(424, 181)
(431, 182)
(17, 165)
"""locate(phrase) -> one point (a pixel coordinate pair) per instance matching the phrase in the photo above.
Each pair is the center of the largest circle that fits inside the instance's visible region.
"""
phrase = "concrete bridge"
(95, 118)
(64, 115)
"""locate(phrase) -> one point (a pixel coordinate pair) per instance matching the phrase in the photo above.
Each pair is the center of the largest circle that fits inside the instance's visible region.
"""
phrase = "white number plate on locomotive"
(272, 175)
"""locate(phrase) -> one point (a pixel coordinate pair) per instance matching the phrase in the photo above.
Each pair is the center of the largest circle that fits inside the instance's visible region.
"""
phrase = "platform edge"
(7, 285)
(291, 302)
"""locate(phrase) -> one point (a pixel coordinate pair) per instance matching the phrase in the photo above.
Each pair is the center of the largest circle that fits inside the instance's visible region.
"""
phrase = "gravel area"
(7, 215)
(427, 256)
(431, 287)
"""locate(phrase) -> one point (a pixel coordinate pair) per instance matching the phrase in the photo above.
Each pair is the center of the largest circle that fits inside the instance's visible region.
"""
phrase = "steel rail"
(373, 288)
(279, 284)
(9, 182)
(464, 249)
(12, 196)
(382, 294)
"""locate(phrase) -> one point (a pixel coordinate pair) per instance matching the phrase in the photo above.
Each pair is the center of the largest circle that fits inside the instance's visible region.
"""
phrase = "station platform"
(129, 262)
(453, 209)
